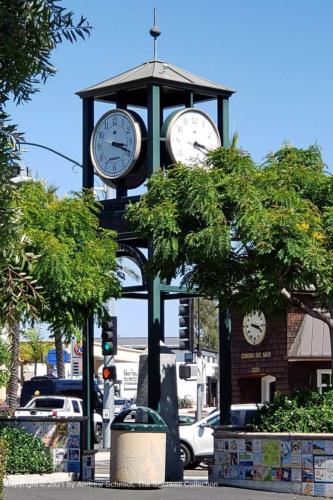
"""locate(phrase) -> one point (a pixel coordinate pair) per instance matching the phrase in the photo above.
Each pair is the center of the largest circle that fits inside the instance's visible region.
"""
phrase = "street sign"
(51, 357)
(106, 414)
(77, 349)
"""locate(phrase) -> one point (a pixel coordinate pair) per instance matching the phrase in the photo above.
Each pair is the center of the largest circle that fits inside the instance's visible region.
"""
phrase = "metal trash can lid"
(158, 424)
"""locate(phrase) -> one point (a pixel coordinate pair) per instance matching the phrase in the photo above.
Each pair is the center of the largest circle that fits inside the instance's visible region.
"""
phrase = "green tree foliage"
(245, 231)
(77, 259)
(3, 457)
(206, 320)
(29, 31)
(241, 227)
(26, 454)
(302, 411)
(4, 362)
(34, 349)
(19, 297)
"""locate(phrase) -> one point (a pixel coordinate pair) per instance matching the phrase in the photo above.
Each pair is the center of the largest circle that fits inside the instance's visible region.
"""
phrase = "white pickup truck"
(58, 406)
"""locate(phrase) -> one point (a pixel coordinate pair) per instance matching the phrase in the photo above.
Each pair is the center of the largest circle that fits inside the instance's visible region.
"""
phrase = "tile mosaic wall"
(286, 464)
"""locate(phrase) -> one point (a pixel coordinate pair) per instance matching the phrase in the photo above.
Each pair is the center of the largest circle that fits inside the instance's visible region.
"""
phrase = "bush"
(26, 453)
(185, 402)
(3, 454)
(302, 411)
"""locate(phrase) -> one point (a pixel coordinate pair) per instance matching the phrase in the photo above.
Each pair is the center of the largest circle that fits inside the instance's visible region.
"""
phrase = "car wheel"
(98, 432)
(185, 455)
(195, 464)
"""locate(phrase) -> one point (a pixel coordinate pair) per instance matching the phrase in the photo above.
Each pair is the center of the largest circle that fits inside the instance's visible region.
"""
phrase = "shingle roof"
(154, 72)
(312, 340)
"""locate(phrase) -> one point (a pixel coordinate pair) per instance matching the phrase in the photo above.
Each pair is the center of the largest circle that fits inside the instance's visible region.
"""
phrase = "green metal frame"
(88, 330)
(155, 330)
(155, 291)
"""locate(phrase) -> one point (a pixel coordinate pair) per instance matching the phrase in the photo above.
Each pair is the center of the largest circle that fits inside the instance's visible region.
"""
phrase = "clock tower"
(123, 148)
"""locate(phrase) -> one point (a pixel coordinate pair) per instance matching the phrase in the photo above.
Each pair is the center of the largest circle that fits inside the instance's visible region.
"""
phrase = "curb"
(33, 479)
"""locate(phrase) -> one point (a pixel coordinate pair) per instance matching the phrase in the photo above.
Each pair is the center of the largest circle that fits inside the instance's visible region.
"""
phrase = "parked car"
(186, 419)
(121, 404)
(53, 386)
(196, 440)
(59, 406)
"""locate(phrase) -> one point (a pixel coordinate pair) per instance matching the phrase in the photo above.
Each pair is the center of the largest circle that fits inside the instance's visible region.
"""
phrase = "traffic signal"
(186, 326)
(109, 373)
(185, 372)
(109, 336)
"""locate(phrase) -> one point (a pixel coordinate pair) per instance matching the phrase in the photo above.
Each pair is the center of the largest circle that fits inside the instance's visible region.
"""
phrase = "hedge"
(26, 453)
(302, 411)
(3, 454)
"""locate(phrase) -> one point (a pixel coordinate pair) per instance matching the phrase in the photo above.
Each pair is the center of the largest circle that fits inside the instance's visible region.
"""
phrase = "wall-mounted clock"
(254, 327)
(189, 135)
(116, 144)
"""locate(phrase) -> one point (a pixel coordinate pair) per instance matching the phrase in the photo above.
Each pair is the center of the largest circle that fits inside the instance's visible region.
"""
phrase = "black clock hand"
(256, 326)
(200, 146)
(120, 145)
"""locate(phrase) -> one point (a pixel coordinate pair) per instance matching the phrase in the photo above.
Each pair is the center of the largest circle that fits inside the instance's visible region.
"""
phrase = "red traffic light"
(109, 373)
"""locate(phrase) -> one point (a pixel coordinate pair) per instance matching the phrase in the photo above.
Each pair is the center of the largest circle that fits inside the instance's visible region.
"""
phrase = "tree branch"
(308, 310)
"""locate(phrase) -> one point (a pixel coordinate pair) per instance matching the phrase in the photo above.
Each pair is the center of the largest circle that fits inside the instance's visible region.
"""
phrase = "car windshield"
(49, 403)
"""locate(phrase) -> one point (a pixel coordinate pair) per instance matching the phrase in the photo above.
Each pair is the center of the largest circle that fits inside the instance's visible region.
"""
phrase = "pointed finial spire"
(155, 33)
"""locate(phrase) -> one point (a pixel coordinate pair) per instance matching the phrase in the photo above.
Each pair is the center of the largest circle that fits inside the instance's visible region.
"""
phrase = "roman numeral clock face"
(115, 144)
(254, 327)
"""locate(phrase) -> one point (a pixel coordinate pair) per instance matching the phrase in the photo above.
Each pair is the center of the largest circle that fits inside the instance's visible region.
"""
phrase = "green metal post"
(88, 330)
(88, 379)
(224, 315)
(225, 365)
(189, 99)
(223, 120)
(88, 126)
(154, 292)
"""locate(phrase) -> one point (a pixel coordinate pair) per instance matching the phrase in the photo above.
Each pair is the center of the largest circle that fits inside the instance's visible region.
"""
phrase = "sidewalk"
(189, 491)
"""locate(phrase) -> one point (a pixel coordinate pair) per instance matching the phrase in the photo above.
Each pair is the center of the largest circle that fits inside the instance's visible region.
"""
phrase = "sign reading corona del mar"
(256, 355)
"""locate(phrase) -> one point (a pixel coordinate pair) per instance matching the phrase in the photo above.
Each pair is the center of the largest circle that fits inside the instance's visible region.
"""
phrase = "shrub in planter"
(185, 402)
(302, 411)
(26, 453)
(3, 455)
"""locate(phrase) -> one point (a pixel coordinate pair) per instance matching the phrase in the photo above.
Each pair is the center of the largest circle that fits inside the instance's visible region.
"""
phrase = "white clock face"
(254, 327)
(191, 134)
(115, 144)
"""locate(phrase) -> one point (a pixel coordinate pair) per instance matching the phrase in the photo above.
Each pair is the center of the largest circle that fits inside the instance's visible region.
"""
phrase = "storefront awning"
(312, 341)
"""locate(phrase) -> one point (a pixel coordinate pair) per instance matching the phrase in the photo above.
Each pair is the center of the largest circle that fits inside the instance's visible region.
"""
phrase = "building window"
(324, 380)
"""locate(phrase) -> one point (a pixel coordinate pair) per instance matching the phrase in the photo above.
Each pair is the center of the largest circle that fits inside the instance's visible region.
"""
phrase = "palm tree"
(37, 349)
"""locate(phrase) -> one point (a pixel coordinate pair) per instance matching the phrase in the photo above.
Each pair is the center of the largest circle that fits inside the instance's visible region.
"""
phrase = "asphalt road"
(189, 491)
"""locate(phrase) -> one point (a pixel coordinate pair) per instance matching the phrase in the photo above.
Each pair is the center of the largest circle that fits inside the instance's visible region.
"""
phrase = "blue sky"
(277, 55)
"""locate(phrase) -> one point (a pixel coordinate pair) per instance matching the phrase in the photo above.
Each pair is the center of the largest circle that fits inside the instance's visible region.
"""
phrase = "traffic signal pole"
(109, 350)
(108, 404)
(200, 368)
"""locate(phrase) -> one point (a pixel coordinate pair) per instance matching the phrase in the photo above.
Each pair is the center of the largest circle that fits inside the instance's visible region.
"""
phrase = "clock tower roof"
(174, 83)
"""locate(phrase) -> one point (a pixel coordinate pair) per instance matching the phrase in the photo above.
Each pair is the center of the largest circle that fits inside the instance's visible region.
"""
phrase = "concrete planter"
(285, 462)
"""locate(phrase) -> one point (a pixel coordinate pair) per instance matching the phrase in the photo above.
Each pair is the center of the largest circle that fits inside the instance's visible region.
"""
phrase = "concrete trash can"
(138, 449)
